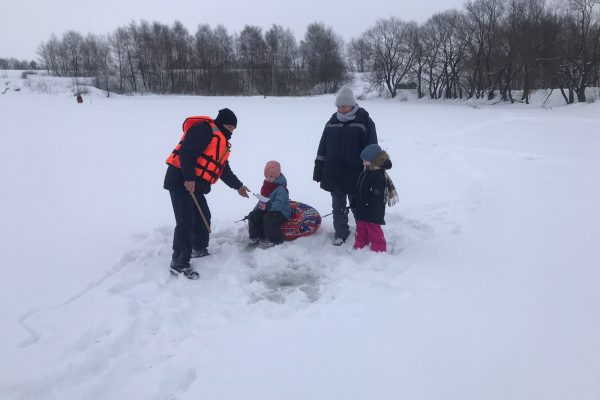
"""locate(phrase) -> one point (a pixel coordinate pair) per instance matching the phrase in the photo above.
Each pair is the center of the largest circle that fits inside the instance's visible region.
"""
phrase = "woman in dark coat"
(338, 162)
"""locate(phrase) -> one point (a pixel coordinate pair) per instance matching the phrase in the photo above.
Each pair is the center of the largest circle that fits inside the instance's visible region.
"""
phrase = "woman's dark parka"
(338, 162)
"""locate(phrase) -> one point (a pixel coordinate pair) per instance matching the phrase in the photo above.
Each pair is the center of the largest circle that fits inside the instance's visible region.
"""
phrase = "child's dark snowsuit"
(369, 204)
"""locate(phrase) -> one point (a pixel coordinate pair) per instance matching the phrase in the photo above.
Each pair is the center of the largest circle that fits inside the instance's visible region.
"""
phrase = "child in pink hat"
(266, 218)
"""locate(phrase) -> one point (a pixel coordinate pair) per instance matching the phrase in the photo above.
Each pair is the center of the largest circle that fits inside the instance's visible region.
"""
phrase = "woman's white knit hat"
(345, 97)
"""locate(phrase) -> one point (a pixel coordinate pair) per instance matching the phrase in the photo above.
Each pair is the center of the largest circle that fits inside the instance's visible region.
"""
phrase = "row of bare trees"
(488, 50)
(152, 57)
(13, 63)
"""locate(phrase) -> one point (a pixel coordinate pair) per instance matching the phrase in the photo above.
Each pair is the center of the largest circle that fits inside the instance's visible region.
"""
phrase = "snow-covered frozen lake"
(489, 289)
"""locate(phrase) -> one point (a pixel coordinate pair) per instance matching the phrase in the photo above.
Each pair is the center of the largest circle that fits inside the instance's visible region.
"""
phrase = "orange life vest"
(210, 164)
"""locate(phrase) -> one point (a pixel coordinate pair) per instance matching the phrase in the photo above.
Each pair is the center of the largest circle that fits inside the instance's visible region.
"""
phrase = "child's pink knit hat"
(273, 168)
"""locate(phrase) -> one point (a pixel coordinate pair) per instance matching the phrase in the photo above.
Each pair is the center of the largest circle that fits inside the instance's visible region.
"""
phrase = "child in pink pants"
(373, 190)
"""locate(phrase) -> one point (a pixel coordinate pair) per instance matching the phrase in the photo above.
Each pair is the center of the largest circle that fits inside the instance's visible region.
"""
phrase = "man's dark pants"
(190, 230)
(340, 213)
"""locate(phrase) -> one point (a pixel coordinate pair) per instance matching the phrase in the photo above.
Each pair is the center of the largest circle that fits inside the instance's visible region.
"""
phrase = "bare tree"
(180, 59)
(452, 59)
(104, 63)
(390, 45)
(252, 57)
(224, 56)
(482, 23)
(118, 43)
(281, 53)
(430, 42)
(323, 58)
(421, 58)
(358, 54)
(204, 58)
(140, 38)
(581, 45)
(214, 60)
(71, 48)
(48, 54)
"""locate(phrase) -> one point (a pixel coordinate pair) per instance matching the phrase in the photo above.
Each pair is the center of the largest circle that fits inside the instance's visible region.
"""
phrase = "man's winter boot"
(185, 270)
(338, 240)
(197, 253)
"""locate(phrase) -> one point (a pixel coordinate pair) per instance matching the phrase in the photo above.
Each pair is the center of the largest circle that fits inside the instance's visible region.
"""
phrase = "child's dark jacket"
(369, 201)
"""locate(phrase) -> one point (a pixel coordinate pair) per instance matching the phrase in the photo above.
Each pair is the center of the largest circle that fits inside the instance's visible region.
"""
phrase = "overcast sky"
(24, 24)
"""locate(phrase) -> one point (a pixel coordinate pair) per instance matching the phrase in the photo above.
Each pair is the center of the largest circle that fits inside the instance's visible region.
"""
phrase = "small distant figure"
(79, 98)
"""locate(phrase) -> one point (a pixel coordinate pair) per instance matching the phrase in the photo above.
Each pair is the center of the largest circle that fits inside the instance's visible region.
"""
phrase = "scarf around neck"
(349, 116)
(390, 196)
(268, 187)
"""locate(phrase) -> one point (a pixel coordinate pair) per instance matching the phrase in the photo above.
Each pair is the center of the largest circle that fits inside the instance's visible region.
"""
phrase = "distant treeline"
(152, 57)
(489, 49)
(13, 63)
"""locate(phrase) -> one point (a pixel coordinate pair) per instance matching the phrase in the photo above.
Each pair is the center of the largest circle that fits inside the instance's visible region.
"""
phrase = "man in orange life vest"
(199, 160)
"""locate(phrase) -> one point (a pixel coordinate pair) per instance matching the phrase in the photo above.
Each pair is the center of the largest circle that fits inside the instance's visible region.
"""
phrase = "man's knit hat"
(273, 168)
(370, 152)
(226, 117)
(345, 97)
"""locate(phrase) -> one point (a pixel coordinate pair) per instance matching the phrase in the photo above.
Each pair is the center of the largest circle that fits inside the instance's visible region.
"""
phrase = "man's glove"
(264, 206)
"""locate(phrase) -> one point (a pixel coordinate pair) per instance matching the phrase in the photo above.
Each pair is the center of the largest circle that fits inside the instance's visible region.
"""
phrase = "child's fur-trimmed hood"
(382, 160)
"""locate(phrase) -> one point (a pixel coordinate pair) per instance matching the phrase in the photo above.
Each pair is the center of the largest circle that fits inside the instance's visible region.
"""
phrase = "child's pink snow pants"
(367, 232)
